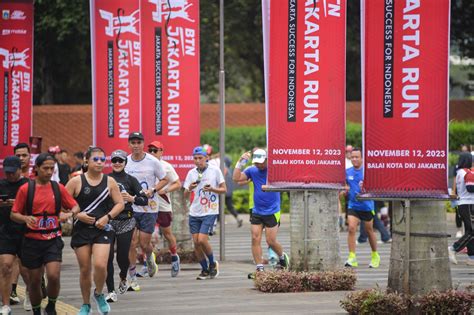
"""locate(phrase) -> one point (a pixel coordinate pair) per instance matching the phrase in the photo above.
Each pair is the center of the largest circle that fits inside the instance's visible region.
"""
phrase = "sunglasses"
(152, 150)
(97, 159)
(258, 156)
(117, 160)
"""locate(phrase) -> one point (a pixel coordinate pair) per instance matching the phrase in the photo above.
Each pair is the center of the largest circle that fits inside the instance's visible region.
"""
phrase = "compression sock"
(203, 264)
(211, 258)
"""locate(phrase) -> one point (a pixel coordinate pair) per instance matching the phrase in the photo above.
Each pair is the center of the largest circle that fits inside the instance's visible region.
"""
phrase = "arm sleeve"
(140, 198)
(67, 201)
(20, 200)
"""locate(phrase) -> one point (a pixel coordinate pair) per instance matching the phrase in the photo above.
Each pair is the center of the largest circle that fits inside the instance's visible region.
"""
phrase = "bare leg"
(6, 265)
(351, 237)
(271, 237)
(100, 254)
(256, 231)
(83, 255)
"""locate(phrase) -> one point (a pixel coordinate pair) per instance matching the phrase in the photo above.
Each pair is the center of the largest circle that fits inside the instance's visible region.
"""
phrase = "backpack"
(469, 180)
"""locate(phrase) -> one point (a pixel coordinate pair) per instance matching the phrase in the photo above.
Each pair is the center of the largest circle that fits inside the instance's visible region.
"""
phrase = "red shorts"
(164, 219)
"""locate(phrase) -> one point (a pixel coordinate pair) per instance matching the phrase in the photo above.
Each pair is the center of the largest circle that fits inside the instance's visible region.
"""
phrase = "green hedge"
(241, 201)
(239, 139)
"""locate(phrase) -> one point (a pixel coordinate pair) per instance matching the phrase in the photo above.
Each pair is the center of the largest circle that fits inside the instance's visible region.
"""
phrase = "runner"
(22, 151)
(165, 211)
(91, 235)
(206, 182)
(266, 207)
(359, 211)
(124, 224)
(11, 234)
(151, 176)
(38, 204)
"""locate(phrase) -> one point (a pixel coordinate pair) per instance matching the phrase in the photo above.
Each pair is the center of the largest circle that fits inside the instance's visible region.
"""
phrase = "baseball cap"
(157, 144)
(11, 164)
(136, 135)
(199, 151)
(121, 154)
(259, 156)
(54, 149)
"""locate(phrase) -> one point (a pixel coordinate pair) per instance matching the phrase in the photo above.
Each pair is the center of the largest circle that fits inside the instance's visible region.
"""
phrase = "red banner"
(16, 79)
(170, 72)
(115, 27)
(305, 68)
(405, 97)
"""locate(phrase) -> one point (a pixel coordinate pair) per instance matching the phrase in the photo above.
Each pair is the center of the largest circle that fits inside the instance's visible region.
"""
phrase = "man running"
(165, 211)
(359, 211)
(22, 151)
(91, 234)
(38, 205)
(11, 233)
(152, 177)
(266, 207)
(206, 182)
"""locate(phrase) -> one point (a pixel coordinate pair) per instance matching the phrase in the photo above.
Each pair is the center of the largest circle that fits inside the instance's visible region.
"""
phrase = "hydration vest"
(49, 223)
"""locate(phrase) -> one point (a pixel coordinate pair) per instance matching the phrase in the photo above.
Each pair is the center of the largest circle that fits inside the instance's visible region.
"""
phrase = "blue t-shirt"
(265, 203)
(353, 178)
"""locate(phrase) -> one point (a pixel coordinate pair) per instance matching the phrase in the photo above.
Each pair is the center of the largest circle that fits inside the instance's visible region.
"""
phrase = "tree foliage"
(63, 57)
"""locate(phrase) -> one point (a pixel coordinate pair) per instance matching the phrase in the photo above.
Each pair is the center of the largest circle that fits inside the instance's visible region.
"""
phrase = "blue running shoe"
(85, 309)
(102, 306)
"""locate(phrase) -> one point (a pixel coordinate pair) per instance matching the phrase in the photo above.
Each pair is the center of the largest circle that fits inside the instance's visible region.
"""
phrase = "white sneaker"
(26, 302)
(151, 265)
(5, 310)
(111, 297)
(134, 286)
(459, 234)
(123, 286)
(452, 255)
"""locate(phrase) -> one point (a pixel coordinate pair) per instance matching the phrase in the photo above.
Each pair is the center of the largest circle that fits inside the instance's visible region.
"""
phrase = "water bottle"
(272, 257)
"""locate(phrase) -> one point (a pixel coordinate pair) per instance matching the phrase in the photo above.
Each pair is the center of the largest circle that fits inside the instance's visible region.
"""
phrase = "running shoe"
(50, 309)
(203, 275)
(285, 262)
(111, 297)
(144, 272)
(134, 284)
(102, 306)
(175, 267)
(239, 222)
(123, 286)
(151, 265)
(26, 302)
(375, 261)
(5, 310)
(214, 270)
(452, 255)
(351, 262)
(14, 299)
(85, 309)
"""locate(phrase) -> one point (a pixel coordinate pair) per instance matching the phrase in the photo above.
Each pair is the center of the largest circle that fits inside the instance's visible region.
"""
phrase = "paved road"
(232, 292)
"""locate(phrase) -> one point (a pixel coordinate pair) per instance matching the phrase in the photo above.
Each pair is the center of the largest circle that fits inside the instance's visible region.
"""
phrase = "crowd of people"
(112, 215)
(116, 213)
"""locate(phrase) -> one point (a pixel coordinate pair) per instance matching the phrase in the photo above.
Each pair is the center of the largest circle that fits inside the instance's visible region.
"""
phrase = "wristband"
(109, 216)
(154, 190)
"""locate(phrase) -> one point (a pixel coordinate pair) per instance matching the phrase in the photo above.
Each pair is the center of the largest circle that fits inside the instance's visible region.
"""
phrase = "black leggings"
(467, 240)
(123, 246)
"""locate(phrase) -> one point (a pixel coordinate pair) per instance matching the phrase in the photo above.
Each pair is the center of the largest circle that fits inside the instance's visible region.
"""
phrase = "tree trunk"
(428, 264)
(180, 225)
(322, 244)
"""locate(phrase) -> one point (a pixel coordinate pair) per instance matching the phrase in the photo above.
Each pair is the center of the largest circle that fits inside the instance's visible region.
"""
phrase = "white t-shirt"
(204, 202)
(148, 171)
(465, 197)
(171, 176)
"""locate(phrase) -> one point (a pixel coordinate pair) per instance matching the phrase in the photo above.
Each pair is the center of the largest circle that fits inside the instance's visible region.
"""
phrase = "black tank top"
(94, 200)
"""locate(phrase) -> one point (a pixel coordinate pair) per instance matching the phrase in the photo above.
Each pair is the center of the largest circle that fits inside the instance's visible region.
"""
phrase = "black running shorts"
(36, 253)
(89, 235)
(362, 215)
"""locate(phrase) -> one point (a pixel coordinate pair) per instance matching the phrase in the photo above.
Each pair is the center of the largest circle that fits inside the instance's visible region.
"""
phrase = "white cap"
(259, 156)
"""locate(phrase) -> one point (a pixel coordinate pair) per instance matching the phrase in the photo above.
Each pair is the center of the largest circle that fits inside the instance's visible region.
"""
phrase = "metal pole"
(222, 125)
(406, 275)
(306, 220)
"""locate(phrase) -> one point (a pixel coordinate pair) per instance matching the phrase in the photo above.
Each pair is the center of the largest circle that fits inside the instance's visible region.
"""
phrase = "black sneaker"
(203, 275)
(50, 309)
(14, 299)
(285, 262)
(214, 270)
